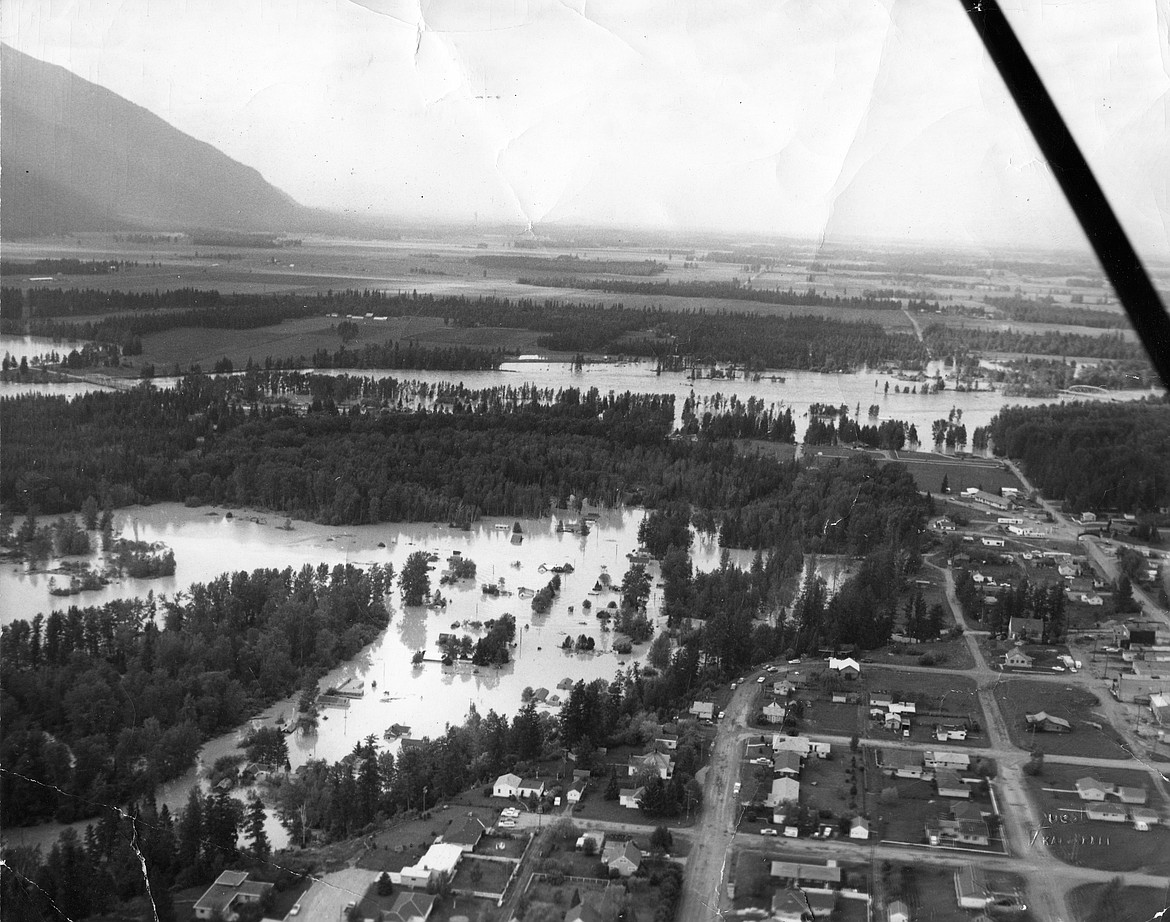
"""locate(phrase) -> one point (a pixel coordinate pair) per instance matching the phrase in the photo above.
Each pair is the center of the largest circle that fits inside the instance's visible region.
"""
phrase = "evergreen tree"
(414, 580)
(257, 835)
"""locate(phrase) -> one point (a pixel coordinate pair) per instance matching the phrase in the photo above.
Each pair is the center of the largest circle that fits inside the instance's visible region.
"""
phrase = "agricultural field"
(300, 338)
(1076, 839)
(1091, 735)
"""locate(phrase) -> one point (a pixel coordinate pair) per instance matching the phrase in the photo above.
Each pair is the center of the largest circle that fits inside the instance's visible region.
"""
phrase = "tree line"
(947, 340)
(102, 703)
(1094, 456)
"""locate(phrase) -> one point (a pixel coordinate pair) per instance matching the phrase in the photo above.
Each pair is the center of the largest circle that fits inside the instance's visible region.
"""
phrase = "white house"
(859, 828)
(1089, 788)
(847, 668)
(774, 712)
(434, 867)
(629, 797)
(576, 791)
(801, 745)
(897, 911)
(703, 710)
(946, 758)
(231, 890)
(506, 785)
(784, 790)
(1143, 818)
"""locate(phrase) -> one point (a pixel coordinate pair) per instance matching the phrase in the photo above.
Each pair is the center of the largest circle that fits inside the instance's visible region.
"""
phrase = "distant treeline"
(104, 703)
(1092, 455)
(85, 302)
(63, 266)
(1046, 310)
(733, 291)
(393, 354)
(571, 264)
(754, 340)
(948, 340)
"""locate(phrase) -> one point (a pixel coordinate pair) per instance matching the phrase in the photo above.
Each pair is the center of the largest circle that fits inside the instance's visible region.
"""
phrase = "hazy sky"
(830, 118)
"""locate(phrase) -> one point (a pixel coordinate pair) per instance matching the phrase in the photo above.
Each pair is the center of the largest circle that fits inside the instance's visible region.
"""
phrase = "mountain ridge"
(77, 157)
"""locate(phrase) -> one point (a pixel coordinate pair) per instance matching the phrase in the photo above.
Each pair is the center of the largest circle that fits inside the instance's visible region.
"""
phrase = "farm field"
(299, 339)
(928, 470)
(1091, 735)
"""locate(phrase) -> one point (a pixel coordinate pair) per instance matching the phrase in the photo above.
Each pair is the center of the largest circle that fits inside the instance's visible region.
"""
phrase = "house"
(840, 698)
(1089, 788)
(807, 872)
(630, 797)
(1017, 659)
(784, 790)
(774, 712)
(657, 763)
(988, 499)
(783, 688)
(801, 745)
(584, 912)
(966, 811)
(530, 787)
(971, 888)
(1021, 628)
(944, 732)
(895, 721)
(1130, 795)
(1160, 708)
(859, 828)
(506, 785)
(1108, 813)
(787, 763)
(1143, 818)
(410, 906)
(949, 784)
(902, 763)
(465, 831)
(576, 791)
(847, 668)
(667, 739)
(623, 857)
(897, 911)
(946, 758)
(880, 701)
(993, 542)
(948, 831)
(794, 905)
(436, 866)
(231, 890)
(902, 707)
(1044, 722)
(703, 710)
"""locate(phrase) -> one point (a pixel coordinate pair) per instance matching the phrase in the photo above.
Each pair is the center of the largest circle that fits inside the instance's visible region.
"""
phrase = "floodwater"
(426, 698)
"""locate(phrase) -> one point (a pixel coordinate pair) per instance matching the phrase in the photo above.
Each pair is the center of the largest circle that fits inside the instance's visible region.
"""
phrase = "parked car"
(769, 831)
(721, 714)
(760, 680)
(507, 824)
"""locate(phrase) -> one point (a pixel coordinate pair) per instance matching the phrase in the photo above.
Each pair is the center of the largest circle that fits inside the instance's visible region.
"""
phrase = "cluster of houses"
(1129, 806)
(805, 886)
(655, 761)
(964, 824)
(894, 715)
(789, 754)
(948, 769)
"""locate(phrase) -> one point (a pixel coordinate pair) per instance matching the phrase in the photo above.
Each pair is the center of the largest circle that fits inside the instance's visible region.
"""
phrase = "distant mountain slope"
(77, 157)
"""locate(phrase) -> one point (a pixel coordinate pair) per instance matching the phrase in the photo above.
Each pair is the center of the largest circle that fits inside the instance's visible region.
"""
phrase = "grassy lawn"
(949, 654)
(928, 471)
(825, 784)
(1128, 904)
(487, 876)
(1091, 735)
(823, 716)
(1078, 840)
(596, 807)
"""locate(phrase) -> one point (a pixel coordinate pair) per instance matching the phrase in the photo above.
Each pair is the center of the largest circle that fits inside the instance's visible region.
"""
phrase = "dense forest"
(195, 445)
(571, 264)
(733, 290)
(1048, 310)
(1094, 456)
(103, 703)
(755, 340)
(949, 340)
